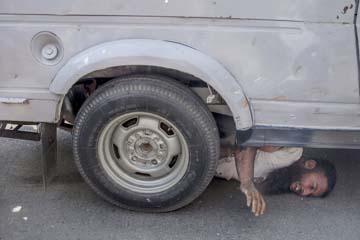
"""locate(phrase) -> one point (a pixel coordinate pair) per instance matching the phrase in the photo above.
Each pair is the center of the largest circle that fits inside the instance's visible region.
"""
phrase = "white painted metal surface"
(288, 56)
(290, 10)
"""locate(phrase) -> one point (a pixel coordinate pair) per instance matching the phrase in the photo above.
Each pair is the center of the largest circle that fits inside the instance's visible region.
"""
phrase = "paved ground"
(70, 210)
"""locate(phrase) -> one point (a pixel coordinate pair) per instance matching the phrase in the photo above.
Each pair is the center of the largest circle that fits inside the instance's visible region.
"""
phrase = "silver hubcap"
(143, 152)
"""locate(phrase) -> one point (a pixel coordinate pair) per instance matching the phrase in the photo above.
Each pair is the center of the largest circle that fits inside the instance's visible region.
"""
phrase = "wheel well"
(81, 90)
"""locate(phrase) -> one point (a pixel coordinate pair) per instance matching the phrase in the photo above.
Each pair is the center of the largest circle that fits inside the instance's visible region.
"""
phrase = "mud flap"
(48, 152)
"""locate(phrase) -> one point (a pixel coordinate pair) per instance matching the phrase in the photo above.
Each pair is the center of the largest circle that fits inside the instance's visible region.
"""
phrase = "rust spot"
(346, 8)
(245, 104)
(280, 98)
(337, 17)
(351, 6)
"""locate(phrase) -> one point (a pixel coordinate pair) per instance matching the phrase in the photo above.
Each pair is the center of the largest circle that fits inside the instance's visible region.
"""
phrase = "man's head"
(306, 177)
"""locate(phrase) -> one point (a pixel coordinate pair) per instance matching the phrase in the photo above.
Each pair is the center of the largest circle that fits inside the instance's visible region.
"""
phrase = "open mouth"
(296, 187)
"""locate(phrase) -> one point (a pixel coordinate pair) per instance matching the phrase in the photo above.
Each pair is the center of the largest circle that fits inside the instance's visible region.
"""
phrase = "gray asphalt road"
(70, 210)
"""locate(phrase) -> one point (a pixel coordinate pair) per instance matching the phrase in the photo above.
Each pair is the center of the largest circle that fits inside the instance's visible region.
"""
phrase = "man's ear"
(310, 164)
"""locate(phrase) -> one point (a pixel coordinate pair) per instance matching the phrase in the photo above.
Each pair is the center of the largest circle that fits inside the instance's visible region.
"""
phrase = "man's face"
(311, 183)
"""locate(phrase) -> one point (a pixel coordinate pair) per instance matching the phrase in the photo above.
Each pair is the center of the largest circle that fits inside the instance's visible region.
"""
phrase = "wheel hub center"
(145, 148)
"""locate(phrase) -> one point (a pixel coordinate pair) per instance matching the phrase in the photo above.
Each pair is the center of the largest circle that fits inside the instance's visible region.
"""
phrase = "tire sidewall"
(103, 109)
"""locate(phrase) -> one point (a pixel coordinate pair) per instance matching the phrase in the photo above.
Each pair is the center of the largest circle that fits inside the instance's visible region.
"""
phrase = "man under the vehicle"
(280, 170)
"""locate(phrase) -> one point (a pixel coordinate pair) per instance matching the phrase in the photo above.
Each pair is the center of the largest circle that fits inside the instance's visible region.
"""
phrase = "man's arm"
(244, 160)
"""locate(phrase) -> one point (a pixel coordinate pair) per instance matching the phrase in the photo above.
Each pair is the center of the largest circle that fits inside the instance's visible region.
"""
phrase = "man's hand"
(253, 198)
(244, 160)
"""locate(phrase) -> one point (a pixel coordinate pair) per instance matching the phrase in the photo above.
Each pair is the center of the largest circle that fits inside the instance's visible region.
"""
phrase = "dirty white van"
(150, 88)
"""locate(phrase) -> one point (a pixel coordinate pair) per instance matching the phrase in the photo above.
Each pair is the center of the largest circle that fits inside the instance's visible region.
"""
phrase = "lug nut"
(154, 162)
(147, 132)
(134, 158)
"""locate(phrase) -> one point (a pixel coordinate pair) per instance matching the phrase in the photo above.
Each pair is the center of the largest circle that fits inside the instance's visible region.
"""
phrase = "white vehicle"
(149, 88)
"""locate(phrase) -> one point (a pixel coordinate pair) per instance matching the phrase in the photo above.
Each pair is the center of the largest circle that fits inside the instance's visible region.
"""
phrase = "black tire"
(164, 97)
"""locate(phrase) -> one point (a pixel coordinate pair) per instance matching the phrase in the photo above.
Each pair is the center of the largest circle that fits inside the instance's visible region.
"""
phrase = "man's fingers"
(259, 205)
(248, 199)
(263, 206)
(255, 202)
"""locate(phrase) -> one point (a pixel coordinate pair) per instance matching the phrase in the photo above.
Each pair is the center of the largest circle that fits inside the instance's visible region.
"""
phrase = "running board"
(15, 131)
(261, 136)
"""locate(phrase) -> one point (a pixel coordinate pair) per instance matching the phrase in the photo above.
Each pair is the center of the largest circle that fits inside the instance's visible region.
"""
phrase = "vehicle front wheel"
(146, 143)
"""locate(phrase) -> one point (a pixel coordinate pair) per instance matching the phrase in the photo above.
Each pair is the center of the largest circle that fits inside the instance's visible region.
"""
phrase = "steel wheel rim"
(143, 152)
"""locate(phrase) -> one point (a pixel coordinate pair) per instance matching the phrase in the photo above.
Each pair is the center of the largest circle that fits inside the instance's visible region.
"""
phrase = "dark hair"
(329, 171)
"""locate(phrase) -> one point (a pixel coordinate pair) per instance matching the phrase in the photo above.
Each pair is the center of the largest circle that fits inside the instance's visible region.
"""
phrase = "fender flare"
(161, 54)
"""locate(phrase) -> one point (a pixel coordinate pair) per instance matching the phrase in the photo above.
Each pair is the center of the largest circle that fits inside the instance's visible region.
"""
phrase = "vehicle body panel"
(340, 11)
(295, 61)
